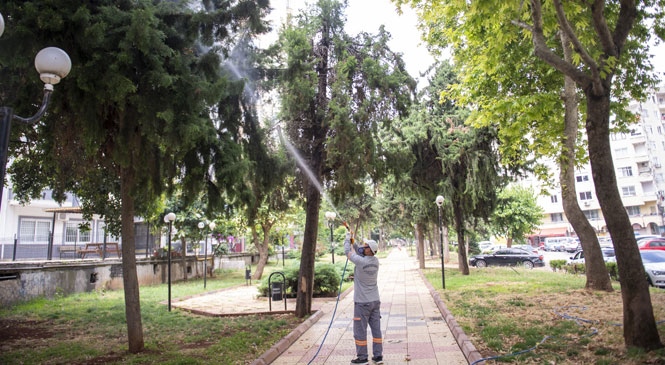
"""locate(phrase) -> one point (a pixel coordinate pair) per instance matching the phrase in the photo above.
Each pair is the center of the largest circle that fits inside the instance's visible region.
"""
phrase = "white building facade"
(638, 157)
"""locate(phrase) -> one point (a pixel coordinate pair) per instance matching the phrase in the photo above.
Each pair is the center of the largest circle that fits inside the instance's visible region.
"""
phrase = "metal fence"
(12, 249)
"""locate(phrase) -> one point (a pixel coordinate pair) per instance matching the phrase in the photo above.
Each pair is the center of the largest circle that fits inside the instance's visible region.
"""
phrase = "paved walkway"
(416, 326)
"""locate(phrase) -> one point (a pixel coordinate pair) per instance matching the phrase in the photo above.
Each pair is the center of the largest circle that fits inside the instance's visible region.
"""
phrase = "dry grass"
(541, 317)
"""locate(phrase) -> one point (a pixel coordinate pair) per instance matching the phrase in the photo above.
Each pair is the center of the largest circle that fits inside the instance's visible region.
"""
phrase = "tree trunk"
(638, 320)
(129, 276)
(431, 242)
(263, 250)
(597, 277)
(183, 258)
(463, 263)
(306, 277)
(421, 245)
(317, 136)
(509, 241)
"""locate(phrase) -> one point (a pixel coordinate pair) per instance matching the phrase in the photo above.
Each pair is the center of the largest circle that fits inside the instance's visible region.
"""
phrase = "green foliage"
(580, 269)
(327, 279)
(221, 249)
(139, 108)
(558, 265)
(517, 213)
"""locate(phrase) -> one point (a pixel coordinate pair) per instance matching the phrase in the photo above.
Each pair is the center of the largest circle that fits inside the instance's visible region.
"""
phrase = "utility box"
(277, 291)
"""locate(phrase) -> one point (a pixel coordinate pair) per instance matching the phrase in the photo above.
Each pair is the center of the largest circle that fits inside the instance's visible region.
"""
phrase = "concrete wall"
(22, 281)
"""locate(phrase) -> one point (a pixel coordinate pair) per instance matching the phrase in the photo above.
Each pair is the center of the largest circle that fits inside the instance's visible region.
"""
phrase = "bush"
(293, 254)
(580, 269)
(575, 269)
(326, 280)
(557, 264)
(613, 270)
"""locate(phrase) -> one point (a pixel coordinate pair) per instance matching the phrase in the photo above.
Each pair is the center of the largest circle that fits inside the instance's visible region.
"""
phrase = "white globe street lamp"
(52, 64)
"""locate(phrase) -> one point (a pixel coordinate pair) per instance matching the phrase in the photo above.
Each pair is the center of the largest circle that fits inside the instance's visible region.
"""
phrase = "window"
(590, 214)
(625, 171)
(633, 211)
(100, 231)
(621, 152)
(74, 234)
(556, 217)
(618, 136)
(554, 198)
(585, 195)
(34, 230)
(582, 178)
(628, 191)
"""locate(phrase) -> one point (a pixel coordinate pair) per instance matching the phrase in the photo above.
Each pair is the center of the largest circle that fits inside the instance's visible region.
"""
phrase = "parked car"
(508, 257)
(571, 246)
(654, 265)
(608, 256)
(484, 245)
(492, 249)
(640, 238)
(652, 244)
(527, 248)
(558, 243)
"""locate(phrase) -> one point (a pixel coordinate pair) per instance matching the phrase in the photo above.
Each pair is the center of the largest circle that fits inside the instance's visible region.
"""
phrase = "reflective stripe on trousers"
(367, 314)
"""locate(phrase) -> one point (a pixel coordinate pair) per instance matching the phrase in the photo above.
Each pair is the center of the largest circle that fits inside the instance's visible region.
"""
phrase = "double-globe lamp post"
(330, 217)
(52, 64)
(439, 202)
(169, 218)
(202, 225)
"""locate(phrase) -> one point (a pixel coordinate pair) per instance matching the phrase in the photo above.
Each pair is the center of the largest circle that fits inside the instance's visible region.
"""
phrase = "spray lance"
(359, 250)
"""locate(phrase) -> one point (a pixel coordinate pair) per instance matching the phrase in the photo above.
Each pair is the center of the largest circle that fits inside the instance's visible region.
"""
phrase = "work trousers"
(364, 314)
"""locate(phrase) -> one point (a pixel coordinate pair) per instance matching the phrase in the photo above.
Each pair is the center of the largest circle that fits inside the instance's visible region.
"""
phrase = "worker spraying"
(367, 304)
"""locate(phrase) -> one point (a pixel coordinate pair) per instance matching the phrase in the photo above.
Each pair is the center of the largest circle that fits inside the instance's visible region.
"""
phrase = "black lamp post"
(52, 64)
(330, 217)
(439, 202)
(282, 238)
(169, 218)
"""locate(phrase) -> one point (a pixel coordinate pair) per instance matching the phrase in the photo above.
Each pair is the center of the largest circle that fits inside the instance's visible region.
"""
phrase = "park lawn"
(541, 317)
(89, 328)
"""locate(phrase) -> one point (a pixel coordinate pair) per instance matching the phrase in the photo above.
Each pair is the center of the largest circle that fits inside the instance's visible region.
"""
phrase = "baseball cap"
(372, 245)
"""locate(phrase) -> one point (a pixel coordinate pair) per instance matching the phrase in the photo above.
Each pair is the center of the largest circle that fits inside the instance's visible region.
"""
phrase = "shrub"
(557, 264)
(575, 269)
(326, 280)
(580, 269)
(613, 270)
(293, 254)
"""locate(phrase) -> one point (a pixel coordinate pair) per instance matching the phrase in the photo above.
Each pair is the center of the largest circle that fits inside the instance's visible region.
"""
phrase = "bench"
(66, 250)
(97, 248)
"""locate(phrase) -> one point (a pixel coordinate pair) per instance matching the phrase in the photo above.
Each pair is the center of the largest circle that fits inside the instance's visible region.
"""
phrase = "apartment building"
(638, 157)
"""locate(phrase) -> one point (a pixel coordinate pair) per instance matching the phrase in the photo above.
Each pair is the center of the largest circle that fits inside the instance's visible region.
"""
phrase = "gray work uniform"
(367, 304)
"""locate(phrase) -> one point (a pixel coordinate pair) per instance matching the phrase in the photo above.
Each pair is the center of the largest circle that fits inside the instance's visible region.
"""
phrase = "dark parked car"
(508, 257)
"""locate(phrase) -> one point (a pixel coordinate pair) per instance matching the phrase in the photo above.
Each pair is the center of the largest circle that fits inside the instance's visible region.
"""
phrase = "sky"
(369, 15)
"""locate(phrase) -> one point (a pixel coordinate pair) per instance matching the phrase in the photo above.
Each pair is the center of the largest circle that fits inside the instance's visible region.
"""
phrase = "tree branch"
(564, 25)
(626, 21)
(544, 53)
(604, 34)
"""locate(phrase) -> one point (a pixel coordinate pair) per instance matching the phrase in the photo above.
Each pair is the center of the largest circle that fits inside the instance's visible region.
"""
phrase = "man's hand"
(347, 242)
